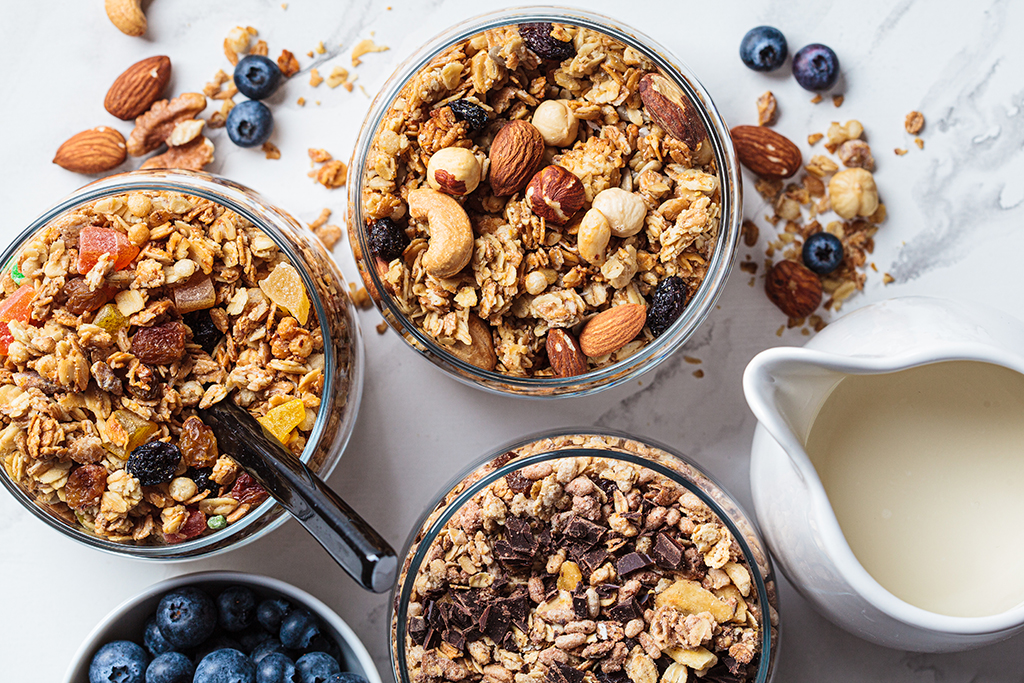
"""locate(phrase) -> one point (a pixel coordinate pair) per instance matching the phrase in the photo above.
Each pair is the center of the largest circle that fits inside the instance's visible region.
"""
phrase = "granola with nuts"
(529, 178)
(583, 569)
(120, 318)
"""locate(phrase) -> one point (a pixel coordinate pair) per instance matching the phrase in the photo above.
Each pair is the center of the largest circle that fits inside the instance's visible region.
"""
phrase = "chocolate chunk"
(517, 482)
(634, 518)
(607, 590)
(721, 673)
(454, 638)
(519, 535)
(606, 485)
(510, 556)
(418, 629)
(584, 531)
(632, 562)
(563, 673)
(502, 459)
(590, 562)
(612, 676)
(626, 611)
(666, 553)
(579, 603)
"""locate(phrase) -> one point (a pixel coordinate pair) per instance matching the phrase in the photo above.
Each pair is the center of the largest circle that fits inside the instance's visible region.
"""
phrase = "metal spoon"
(353, 543)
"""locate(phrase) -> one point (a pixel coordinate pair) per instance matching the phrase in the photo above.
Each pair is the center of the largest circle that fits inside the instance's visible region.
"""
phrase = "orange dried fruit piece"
(284, 287)
(196, 294)
(93, 242)
(110, 319)
(18, 306)
(280, 421)
(128, 430)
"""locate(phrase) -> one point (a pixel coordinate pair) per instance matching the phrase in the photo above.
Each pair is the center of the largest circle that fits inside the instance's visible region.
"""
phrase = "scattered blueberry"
(271, 612)
(121, 661)
(252, 636)
(473, 114)
(298, 629)
(236, 607)
(153, 639)
(764, 48)
(204, 332)
(225, 666)
(186, 617)
(316, 667)
(170, 667)
(387, 239)
(250, 124)
(667, 304)
(154, 462)
(816, 67)
(823, 252)
(275, 668)
(346, 677)
(257, 77)
(538, 38)
(267, 647)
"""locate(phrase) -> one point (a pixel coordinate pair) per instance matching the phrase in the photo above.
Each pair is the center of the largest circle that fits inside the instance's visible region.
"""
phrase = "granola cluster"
(122, 317)
(540, 261)
(583, 570)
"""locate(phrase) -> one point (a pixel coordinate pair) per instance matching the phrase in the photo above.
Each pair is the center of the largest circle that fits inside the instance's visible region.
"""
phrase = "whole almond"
(793, 288)
(127, 16)
(555, 194)
(765, 152)
(612, 329)
(516, 154)
(135, 91)
(481, 351)
(92, 151)
(671, 110)
(564, 354)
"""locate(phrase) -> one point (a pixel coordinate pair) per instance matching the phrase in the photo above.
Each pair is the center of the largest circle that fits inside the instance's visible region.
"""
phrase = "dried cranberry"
(247, 490)
(539, 39)
(473, 114)
(190, 528)
(387, 239)
(81, 299)
(154, 462)
(160, 345)
(85, 486)
(667, 304)
(204, 332)
(198, 444)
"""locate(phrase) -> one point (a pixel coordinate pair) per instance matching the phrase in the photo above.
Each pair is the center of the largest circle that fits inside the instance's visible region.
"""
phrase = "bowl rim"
(720, 265)
(90, 643)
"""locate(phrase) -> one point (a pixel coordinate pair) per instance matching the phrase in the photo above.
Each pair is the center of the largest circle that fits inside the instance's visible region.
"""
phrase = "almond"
(564, 354)
(612, 329)
(793, 288)
(765, 152)
(135, 91)
(516, 154)
(555, 194)
(671, 109)
(481, 351)
(92, 151)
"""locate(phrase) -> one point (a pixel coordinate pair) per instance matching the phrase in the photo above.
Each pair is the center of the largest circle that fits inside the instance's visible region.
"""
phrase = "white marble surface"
(954, 230)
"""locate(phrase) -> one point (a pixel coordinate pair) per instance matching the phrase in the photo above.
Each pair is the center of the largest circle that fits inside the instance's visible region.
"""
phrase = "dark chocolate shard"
(517, 483)
(632, 562)
(563, 673)
(666, 553)
(590, 562)
(584, 531)
(454, 638)
(607, 590)
(619, 676)
(519, 535)
(634, 518)
(502, 459)
(626, 611)
(418, 629)
(579, 603)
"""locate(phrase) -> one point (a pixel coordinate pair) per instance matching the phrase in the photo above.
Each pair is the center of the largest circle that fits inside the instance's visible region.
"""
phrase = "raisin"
(198, 444)
(85, 486)
(154, 462)
(473, 114)
(387, 239)
(201, 476)
(539, 39)
(83, 300)
(143, 384)
(204, 331)
(247, 490)
(667, 304)
(160, 345)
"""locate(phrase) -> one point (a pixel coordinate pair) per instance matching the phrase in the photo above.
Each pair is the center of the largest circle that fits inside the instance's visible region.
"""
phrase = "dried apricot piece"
(198, 444)
(18, 306)
(280, 421)
(284, 287)
(129, 430)
(110, 319)
(161, 344)
(93, 242)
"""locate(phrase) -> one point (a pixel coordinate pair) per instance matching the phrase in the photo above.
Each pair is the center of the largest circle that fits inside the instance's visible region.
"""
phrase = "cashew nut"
(127, 16)
(481, 352)
(592, 238)
(450, 247)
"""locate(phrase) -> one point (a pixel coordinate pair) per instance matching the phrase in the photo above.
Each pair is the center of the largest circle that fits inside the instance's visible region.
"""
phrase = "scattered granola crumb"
(338, 76)
(309, 54)
(692, 360)
(316, 102)
(919, 142)
(837, 100)
(874, 267)
(364, 47)
(328, 234)
(359, 297)
(325, 215)
(315, 78)
(319, 156)
(284, 5)
(271, 150)
(261, 48)
(332, 174)
(749, 267)
(816, 99)
(805, 331)
(900, 151)
(698, 373)
(914, 122)
(778, 332)
(237, 42)
(301, 101)
(813, 138)
(750, 232)
(767, 109)
(886, 278)
(320, 49)
(219, 118)
(382, 326)
(214, 86)
(288, 64)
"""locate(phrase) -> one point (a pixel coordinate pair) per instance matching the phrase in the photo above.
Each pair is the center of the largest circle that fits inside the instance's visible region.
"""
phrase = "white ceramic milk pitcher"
(785, 387)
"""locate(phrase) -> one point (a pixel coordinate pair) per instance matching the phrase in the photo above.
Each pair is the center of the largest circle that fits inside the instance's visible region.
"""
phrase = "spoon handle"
(349, 539)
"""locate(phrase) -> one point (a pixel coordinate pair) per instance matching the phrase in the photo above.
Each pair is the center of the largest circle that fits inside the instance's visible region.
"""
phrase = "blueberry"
(153, 639)
(250, 124)
(316, 667)
(225, 666)
(298, 629)
(154, 462)
(275, 668)
(170, 667)
(217, 642)
(346, 677)
(823, 252)
(186, 617)
(257, 77)
(121, 661)
(387, 239)
(816, 67)
(236, 607)
(252, 636)
(271, 612)
(764, 48)
(267, 647)
(667, 304)
(321, 643)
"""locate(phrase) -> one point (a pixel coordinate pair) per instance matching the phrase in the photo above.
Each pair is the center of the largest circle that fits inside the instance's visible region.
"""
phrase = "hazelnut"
(838, 134)
(453, 170)
(624, 211)
(555, 194)
(853, 193)
(592, 237)
(536, 282)
(856, 154)
(556, 123)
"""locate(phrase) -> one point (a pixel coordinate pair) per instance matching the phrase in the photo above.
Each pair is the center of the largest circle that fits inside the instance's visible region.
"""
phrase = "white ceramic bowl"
(126, 621)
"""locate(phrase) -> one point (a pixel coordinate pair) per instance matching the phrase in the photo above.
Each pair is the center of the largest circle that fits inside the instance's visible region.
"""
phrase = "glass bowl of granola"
(544, 202)
(584, 556)
(134, 302)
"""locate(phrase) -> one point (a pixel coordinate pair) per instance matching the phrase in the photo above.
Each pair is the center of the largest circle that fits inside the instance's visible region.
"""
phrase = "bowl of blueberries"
(222, 627)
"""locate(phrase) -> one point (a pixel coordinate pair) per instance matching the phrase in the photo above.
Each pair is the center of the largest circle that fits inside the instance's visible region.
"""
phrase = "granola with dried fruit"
(120, 318)
(631, 206)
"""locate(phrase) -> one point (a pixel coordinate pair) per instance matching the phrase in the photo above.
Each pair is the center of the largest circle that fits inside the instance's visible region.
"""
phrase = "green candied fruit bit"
(110, 319)
(217, 522)
(16, 273)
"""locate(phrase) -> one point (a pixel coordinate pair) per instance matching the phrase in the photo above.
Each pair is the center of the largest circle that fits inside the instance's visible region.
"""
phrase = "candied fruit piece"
(196, 294)
(217, 522)
(110, 319)
(85, 486)
(160, 345)
(198, 444)
(204, 330)
(284, 287)
(16, 273)
(247, 490)
(18, 306)
(81, 299)
(154, 462)
(280, 421)
(129, 430)
(93, 242)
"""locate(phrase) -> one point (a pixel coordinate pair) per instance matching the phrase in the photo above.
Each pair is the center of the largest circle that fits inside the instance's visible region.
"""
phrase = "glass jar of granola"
(133, 303)
(544, 202)
(584, 557)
